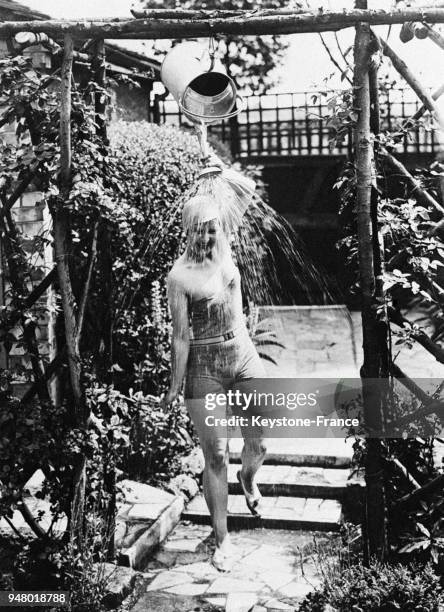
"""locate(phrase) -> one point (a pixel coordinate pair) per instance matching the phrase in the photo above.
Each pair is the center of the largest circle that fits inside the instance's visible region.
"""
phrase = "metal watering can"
(199, 84)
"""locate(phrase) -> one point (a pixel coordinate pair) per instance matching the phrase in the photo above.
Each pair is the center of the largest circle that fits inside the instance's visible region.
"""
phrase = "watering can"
(199, 84)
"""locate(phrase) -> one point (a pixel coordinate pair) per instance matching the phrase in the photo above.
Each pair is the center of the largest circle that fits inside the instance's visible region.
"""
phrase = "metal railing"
(299, 123)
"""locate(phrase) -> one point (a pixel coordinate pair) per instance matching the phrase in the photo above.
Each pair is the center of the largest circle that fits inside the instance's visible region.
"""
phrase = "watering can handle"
(200, 118)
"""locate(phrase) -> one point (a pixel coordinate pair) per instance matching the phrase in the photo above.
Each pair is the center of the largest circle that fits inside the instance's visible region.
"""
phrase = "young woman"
(215, 355)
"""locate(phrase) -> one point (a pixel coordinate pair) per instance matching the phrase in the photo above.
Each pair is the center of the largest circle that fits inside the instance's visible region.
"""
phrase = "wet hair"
(198, 210)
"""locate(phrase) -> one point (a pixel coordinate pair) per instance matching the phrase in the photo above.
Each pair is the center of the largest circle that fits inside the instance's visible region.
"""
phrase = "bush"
(379, 588)
(159, 439)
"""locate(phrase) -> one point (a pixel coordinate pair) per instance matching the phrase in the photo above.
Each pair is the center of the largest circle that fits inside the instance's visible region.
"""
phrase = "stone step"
(280, 512)
(307, 452)
(295, 481)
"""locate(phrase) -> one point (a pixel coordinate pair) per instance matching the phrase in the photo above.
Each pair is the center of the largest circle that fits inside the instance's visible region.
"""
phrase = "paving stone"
(166, 557)
(189, 588)
(240, 602)
(200, 570)
(168, 579)
(276, 579)
(218, 602)
(184, 558)
(296, 589)
(184, 544)
(146, 512)
(275, 604)
(234, 585)
(155, 601)
(275, 562)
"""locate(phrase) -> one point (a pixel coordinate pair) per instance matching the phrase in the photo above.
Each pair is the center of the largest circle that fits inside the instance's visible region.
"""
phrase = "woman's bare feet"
(252, 494)
(223, 557)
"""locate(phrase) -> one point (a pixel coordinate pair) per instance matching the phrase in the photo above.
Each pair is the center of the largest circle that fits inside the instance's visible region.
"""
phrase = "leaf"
(423, 529)
(414, 546)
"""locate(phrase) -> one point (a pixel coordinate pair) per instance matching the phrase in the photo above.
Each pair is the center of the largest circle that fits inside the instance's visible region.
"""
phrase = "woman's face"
(205, 237)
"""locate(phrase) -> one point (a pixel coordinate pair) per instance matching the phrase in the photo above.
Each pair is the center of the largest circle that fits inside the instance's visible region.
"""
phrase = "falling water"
(274, 266)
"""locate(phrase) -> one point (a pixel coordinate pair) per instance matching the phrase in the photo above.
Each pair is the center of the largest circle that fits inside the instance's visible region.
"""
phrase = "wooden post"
(375, 524)
(62, 250)
(109, 479)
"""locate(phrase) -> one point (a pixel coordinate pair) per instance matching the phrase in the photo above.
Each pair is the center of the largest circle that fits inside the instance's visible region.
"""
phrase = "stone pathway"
(274, 570)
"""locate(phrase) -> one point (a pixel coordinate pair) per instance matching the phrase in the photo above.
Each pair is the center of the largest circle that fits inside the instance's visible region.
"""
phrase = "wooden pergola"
(171, 24)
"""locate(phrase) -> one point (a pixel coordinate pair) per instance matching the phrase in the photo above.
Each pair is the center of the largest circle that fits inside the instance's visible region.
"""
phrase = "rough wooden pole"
(247, 23)
(435, 36)
(375, 519)
(106, 263)
(62, 247)
(402, 68)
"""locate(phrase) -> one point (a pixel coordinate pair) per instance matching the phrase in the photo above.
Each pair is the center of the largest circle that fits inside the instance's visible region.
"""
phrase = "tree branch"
(422, 492)
(50, 370)
(419, 192)
(333, 60)
(411, 79)
(12, 318)
(84, 298)
(408, 123)
(30, 520)
(430, 404)
(420, 336)
(435, 36)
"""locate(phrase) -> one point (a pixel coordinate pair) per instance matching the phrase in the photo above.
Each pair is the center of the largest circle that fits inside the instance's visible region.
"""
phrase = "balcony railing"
(299, 123)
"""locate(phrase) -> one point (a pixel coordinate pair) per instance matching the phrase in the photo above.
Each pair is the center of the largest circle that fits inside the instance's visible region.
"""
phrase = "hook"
(211, 48)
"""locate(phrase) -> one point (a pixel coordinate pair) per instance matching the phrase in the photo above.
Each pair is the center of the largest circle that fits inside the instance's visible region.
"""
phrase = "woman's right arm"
(180, 343)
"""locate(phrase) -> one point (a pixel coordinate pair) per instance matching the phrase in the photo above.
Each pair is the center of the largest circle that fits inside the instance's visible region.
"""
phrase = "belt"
(229, 335)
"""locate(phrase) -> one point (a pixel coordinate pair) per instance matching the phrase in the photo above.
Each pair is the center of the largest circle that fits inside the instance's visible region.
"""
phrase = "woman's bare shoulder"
(176, 276)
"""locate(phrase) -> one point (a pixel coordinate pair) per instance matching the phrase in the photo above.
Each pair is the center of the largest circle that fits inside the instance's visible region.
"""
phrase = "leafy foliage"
(378, 588)
(249, 60)
(412, 279)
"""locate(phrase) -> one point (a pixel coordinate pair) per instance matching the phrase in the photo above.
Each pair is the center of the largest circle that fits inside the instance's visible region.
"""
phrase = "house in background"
(131, 76)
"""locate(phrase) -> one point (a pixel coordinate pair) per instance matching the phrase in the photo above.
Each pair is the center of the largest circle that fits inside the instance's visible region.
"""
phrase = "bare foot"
(223, 557)
(252, 494)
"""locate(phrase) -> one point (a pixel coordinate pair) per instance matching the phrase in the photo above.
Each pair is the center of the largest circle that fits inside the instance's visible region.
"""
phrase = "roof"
(120, 59)
(131, 59)
(10, 9)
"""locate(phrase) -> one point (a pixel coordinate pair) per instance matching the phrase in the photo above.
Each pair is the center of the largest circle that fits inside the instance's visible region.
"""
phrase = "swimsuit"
(224, 353)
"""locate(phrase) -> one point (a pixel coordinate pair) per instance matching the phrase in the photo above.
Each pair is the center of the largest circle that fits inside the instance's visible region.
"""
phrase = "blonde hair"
(199, 209)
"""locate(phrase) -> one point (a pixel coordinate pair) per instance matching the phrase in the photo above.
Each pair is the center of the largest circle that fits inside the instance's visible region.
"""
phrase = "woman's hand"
(168, 398)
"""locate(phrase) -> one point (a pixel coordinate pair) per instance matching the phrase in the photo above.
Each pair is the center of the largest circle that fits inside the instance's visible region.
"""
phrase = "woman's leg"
(254, 449)
(215, 450)
(253, 455)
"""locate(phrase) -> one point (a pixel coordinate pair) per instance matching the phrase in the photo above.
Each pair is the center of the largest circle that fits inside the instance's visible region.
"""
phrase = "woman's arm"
(180, 343)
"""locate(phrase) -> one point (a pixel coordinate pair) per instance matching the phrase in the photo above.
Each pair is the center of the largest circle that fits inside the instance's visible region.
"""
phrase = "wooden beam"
(215, 14)
(248, 23)
(402, 68)
(435, 36)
